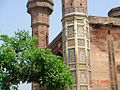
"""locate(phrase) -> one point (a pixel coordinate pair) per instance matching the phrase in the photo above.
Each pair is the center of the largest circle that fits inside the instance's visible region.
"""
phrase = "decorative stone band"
(74, 9)
(39, 23)
(72, 14)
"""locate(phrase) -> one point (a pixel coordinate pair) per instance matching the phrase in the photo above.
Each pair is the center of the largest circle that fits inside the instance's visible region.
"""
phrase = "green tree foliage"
(21, 61)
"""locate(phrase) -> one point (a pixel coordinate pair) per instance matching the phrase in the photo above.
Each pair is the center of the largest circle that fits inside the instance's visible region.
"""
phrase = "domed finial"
(114, 12)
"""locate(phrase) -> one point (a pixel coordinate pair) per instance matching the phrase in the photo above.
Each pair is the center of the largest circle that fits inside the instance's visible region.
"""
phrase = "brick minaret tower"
(40, 11)
(76, 42)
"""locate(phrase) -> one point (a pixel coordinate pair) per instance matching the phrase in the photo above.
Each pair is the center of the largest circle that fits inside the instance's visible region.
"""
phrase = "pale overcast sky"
(13, 16)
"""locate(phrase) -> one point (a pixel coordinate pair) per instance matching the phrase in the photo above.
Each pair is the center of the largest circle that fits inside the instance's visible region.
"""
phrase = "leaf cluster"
(21, 61)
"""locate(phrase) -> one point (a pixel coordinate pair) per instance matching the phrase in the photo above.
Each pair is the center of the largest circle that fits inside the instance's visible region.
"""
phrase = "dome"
(114, 12)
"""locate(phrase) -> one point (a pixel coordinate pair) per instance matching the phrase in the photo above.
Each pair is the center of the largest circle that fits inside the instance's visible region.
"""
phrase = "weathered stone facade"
(101, 69)
(99, 34)
(104, 42)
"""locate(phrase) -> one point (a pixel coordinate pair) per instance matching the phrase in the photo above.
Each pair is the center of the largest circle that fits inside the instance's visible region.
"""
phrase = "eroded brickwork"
(100, 56)
(100, 61)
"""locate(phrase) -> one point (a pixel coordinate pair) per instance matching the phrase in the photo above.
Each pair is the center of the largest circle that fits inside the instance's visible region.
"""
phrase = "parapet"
(104, 20)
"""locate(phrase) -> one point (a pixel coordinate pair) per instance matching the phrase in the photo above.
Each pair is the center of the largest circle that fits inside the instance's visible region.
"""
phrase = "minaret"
(76, 42)
(40, 10)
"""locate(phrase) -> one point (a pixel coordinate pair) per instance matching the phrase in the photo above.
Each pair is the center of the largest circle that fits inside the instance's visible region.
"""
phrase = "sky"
(14, 16)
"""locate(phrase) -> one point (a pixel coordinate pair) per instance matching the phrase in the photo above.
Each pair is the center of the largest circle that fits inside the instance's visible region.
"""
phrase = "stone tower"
(40, 10)
(76, 42)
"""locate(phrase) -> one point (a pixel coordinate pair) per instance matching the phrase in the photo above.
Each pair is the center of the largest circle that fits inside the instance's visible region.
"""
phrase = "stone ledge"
(104, 20)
